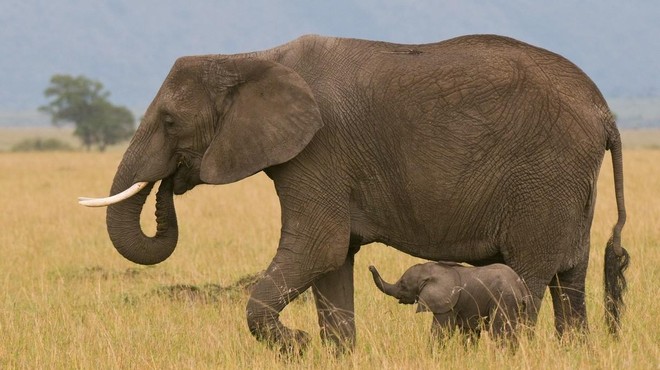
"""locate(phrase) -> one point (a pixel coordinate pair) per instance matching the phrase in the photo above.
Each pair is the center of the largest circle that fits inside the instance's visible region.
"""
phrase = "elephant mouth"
(182, 181)
(186, 176)
(408, 300)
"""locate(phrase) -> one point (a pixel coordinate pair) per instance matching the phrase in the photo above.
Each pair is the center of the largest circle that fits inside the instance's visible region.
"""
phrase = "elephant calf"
(463, 297)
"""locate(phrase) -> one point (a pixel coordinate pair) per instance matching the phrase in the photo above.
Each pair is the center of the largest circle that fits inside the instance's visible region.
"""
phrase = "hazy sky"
(129, 45)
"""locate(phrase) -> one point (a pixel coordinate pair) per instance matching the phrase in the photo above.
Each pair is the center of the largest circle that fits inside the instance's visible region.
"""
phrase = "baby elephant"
(464, 297)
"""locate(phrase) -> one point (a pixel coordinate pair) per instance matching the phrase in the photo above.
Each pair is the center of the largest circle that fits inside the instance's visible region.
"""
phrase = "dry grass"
(69, 300)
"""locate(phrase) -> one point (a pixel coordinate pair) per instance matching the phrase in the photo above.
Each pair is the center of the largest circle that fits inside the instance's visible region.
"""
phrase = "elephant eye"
(170, 124)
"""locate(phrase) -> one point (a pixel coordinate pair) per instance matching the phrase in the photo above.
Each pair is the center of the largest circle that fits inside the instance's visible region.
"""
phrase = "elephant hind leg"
(568, 299)
(545, 242)
(537, 283)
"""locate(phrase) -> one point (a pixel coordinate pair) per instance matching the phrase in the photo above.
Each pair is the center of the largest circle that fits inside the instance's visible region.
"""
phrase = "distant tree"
(84, 102)
(113, 124)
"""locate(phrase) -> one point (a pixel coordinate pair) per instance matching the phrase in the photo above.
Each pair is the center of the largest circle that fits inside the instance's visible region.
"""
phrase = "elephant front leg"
(268, 298)
(311, 251)
(334, 297)
(444, 324)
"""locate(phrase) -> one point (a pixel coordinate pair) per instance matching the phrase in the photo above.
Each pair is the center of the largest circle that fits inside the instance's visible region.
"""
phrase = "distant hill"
(130, 45)
(636, 112)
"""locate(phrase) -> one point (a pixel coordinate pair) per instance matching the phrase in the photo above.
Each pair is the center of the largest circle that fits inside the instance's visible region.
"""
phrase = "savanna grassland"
(69, 300)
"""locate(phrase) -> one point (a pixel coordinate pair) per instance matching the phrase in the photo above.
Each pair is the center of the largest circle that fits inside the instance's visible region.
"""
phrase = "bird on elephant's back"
(477, 149)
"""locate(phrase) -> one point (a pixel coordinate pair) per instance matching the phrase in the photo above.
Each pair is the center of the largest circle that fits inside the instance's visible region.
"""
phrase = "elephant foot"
(293, 342)
(338, 344)
(290, 342)
(575, 335)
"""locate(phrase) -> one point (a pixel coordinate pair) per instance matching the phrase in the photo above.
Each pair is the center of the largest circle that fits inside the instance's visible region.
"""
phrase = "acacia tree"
(112, 124)
(84, 102)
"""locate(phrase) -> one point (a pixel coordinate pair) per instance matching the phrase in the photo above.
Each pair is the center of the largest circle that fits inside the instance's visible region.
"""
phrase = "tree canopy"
(84, 102)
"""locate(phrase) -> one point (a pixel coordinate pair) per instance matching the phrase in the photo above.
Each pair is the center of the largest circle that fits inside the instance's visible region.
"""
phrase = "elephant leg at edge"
(567, 290)
(334, 297)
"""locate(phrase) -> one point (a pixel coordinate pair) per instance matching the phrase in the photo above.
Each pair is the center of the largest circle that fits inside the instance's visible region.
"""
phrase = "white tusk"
(103, 202)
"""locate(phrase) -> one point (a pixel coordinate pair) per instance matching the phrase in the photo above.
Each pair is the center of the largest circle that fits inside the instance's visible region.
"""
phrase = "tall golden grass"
(69, 300)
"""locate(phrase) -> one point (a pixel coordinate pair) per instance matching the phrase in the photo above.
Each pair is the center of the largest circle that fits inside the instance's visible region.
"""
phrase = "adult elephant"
(478, 149)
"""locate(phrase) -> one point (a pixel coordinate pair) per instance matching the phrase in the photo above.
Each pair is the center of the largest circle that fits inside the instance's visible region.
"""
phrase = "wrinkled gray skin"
(478, 149)
(463, 297)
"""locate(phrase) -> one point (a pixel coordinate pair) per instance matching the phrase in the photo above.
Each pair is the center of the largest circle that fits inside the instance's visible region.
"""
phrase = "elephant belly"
(431, 237)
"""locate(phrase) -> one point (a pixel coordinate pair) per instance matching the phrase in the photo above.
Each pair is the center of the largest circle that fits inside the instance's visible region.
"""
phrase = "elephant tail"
(616, 257)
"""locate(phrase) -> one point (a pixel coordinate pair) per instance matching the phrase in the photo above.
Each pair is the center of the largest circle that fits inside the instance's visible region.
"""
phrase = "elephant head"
(434, 286)
(215, 120)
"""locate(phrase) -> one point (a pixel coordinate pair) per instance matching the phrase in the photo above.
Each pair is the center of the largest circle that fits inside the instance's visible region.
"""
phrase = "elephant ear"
(269, 116)
(439, 293)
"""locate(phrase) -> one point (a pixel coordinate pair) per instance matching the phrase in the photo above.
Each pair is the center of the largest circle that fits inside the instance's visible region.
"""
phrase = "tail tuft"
(615, 284)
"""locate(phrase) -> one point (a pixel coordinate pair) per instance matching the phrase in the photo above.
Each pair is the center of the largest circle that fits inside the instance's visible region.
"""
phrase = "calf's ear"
(440, 292)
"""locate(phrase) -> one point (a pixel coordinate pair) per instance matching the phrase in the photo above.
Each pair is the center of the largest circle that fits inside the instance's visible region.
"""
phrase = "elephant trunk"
(385, 287)
(123, 223)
